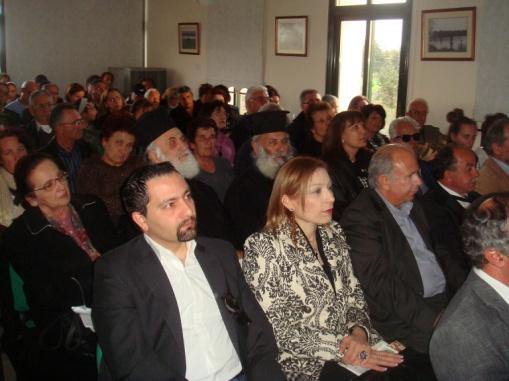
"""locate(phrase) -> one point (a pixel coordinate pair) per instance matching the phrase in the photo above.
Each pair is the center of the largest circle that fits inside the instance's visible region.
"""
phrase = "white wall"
(444, 84)
(69, 40)
(162, 41)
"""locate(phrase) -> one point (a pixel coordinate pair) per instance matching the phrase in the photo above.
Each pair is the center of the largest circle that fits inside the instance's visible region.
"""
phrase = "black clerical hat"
(153, 124)
(264, 122)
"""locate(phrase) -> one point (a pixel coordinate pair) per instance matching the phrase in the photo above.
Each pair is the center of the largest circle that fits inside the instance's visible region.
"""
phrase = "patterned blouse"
(309, 318)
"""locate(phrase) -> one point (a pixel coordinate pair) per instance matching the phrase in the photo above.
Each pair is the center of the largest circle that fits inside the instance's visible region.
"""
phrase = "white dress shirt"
(498, 286)
(209, 351)
(464, 204)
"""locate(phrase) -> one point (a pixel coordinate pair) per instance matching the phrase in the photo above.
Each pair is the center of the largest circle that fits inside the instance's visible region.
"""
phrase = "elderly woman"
(52, 246)
(103, 176)
(344, 151)
(462, 130)
(300, 272)
(12, 148)
(374, 115)
(320, 115)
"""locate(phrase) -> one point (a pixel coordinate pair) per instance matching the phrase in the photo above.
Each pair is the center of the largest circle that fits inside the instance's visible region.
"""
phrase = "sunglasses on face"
(407, 138)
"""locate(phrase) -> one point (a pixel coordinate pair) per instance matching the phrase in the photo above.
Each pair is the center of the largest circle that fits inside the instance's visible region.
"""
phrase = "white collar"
(498, 286)
(464, 204)
(46, 128)
(164, 253)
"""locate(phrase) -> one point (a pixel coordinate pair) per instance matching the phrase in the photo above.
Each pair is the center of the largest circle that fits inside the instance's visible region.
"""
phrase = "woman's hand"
(356, 351)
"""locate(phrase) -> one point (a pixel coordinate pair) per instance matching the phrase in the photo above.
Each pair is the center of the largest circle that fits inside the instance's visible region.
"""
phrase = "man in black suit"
(302, 124)
(38, 129)
(391, 251)
(169, 307)
(455, 169)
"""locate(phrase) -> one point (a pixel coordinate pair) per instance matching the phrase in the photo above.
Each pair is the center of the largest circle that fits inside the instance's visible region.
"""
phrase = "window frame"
(368, 12)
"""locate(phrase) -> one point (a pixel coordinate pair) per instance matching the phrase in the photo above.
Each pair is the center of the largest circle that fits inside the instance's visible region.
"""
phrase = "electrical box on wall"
(127, 77)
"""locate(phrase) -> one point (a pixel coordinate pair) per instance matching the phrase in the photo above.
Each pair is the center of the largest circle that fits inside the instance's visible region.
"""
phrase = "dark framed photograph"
(189, 38)
(448, 34)
(292, 36)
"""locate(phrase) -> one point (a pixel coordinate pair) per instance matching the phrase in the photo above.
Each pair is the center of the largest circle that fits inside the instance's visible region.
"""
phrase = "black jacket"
(138, 322)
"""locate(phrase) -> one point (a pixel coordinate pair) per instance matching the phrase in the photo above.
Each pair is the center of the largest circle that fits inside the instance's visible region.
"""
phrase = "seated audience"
(13, 92)
(301, 125)
(52, 246)
(215, 171)
(221, 93)
(137, 93)
(481, 153)
(164, 141)
(38, 129)
(204, 95)
(274, 96)
(154, 97)
(21, 104)
(374, 115)
(173, 305)
(256, 97)
(170, 98)
(344, 151)
(12, 148)
(404, 131)
(430, 136)
(108, 78)
(333, 101)
(320, 115)
(104, 175)
(455, 170)
(357, 103)
(470, 342)
(68, 148)
(300, 272)
(494, 175)
(186, 110)
(7, 117)
(462, 130)
(95, 91)
(217, 111)
(112, 103)
(392, 255)
(74, 93)
(247, 198)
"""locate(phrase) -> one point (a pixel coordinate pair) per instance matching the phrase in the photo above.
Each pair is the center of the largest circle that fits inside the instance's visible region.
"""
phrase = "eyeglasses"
(50, 184)
(76, 123)
(407, 138)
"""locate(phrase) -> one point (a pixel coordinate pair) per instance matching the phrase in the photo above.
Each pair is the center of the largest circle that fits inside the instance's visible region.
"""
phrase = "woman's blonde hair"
(291, 180)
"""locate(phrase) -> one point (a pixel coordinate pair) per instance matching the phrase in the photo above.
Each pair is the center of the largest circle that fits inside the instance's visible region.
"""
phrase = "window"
(368, 52)
(242, 100)
(231, 91)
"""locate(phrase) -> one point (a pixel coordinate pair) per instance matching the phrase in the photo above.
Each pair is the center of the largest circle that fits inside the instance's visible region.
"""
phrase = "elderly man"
(154, 97)
(164, 141)
(494, 175)
(53, 90)
(418, 110)
(455, 170)
(38, 129)
(471, 340)
(20, 104)
(302, 124)
(68, 147)
(247, 198)
(186, 110)
(256, 97)
(173, 305)
(405, 131)
(392, 254)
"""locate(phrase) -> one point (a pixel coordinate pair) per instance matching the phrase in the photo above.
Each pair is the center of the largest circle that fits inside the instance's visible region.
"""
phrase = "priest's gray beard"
(186, 164)
(269, 164)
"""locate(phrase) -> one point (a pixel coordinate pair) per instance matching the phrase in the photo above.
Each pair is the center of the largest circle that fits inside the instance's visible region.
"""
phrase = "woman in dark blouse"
(320, 115)
(344, 151)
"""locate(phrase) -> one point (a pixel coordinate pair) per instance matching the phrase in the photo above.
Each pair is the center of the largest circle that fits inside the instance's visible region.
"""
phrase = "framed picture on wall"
(448, 34)
(189, 38)
(292, 36)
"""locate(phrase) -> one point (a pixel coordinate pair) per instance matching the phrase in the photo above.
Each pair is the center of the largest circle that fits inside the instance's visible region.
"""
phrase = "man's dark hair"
(115, 123)
(108, 73)
(91, 79)
(184, 89)
(197, 123)
(15, 132)
(134, 192)
(24, 168)
(272, 91)
(223, 90)
(204, 89)
(57, 112)
(486, 226)
(444, 161)
(495, 134)
(207, 109)
(379, 109)
(139, 104)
